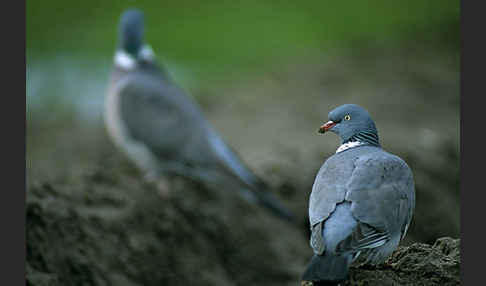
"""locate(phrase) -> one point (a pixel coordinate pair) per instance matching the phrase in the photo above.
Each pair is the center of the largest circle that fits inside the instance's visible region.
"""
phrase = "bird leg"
(160, 182)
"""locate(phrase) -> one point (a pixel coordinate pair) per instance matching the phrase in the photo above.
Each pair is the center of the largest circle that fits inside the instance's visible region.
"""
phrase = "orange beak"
(326, 126)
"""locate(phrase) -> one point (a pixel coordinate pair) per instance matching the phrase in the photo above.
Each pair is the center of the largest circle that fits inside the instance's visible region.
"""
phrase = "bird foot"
(366, 266)
(387, 265)
(163, 188)
(318, 283)
(160, 183)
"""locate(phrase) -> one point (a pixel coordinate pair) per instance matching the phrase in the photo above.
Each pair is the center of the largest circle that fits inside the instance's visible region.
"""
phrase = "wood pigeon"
(362, 200)
(163, 131)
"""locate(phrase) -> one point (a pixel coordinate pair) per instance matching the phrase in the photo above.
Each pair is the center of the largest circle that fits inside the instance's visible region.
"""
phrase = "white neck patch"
(348, 145)
(146, 53)
(127, 62)
(124, 60)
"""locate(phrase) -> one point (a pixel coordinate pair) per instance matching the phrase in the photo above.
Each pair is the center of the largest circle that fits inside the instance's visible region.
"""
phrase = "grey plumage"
(163, 131)
(362, 200)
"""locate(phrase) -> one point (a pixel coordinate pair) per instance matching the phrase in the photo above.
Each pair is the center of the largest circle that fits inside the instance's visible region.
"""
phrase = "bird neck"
(349, 145)
(368, 137)
(127, 61)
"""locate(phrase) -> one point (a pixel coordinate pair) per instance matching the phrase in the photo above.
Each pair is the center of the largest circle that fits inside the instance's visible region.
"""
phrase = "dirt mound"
(417, 264)
(120, 232)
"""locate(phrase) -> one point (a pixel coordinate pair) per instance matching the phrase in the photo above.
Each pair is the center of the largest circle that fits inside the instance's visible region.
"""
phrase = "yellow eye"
(347, 117)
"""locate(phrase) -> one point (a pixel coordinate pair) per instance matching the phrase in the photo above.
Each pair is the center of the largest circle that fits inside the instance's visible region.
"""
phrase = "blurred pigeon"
(362, 200)
(163, 131)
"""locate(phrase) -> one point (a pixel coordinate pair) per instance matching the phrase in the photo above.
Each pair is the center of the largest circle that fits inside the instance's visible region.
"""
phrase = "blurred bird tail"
(256, 189)
(261, 195)
(272, 203)
(328, 269)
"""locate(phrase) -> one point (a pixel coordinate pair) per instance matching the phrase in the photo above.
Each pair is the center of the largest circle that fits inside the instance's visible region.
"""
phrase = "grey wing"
(172, 127)
(329, 188)
(382, 196)
(162, 118)
(232, 162)
(317, 240)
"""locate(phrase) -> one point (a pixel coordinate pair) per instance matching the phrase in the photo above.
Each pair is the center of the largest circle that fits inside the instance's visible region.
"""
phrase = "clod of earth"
(107, 237)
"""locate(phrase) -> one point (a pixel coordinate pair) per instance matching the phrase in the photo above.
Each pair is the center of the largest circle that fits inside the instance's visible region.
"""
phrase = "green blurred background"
(209, 43)
(220, 38)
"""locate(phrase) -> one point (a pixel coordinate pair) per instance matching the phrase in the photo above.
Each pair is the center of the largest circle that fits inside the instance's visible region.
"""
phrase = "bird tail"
(328, 268)
(254, 188)
(257, 193)
(269, 201)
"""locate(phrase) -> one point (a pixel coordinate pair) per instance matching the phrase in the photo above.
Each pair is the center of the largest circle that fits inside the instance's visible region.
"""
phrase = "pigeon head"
(351, 123)
(131, 31)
